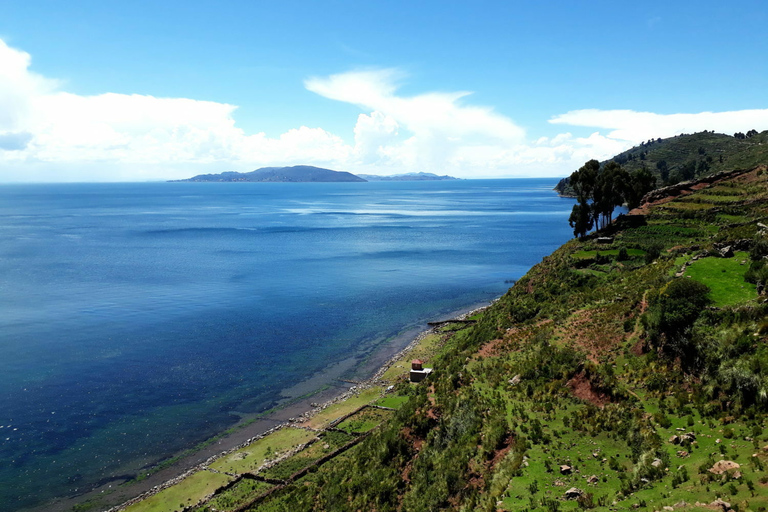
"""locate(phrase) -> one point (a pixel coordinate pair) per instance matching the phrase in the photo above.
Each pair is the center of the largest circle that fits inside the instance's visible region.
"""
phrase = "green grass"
(238, 495)
(725, 277)
(324, 418)
(323, 446)
(588, 255)
(364, 420)
(392, 401)
(248, 459)
(185, 493)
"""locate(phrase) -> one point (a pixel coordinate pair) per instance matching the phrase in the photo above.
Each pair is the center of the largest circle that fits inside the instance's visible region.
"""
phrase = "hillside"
(690, 156)
(620, 373)
(626, 376)
(295, 174)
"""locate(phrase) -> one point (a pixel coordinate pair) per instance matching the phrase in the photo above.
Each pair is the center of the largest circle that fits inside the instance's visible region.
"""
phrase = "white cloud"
(635, 127)
(51, 135)
(47, 134)
(428, 132)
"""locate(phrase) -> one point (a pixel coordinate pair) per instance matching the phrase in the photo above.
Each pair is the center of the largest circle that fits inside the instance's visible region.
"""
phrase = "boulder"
(565, 469)
(726, 252)
(718, 503)
(573, 493)
(593, 479)
(723, 466)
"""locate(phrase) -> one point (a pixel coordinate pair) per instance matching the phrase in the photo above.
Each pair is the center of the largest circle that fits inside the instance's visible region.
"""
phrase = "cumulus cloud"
(48, 134)
(427, 132)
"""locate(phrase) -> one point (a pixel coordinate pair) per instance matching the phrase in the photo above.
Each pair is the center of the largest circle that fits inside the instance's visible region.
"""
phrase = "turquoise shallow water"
(139, 319)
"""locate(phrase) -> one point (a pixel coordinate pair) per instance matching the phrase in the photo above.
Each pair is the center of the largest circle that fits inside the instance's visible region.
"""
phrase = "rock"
(566, 469)
(682, 454)
(736, 474)
(723, 466)
(573, 493)
(593, 479)
(680, 504)
(656, 463)
(722, 504)
(559, 483)
(514, 380)
(726, 252)
(674, 440)
(668, 508)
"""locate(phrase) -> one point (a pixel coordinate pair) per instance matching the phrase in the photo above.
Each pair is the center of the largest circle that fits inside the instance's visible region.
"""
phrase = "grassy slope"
(560, 371)
(682, 149)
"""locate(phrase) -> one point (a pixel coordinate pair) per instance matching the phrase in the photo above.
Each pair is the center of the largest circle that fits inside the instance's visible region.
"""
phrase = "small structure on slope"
(418, 372)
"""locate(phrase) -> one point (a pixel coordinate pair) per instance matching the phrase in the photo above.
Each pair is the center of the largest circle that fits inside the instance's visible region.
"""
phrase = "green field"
(364, 420)
(248, 459)
(392, 401)
(238, 495)
(725, 278)
(185, 493)
(325, 445)
(324, 418)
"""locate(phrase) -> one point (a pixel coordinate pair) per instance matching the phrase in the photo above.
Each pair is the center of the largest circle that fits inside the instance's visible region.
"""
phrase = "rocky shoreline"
(293, 421)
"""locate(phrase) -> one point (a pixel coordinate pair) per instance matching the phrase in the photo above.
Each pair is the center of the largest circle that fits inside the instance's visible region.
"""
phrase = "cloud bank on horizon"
(48, 134)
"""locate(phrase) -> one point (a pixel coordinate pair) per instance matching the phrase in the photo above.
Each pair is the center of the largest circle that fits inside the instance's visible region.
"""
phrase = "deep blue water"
(139, 319)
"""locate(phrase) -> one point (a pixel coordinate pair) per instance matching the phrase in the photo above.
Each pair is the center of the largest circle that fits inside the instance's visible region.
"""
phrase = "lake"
(137, 320)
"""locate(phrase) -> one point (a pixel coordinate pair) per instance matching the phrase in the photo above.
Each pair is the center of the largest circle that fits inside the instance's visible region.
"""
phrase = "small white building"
(418, 372)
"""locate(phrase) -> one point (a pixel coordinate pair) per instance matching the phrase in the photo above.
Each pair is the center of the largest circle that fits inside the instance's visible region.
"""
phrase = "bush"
(671, 314)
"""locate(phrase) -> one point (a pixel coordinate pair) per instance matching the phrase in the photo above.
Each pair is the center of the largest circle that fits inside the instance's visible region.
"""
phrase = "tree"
(609, 192)
(640, 183)
(580, 219)
(688, 170)
(702, 168)
(583, 182)
(661, 165)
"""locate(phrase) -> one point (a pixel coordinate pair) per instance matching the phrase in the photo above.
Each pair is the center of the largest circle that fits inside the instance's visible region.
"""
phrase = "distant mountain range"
(297, 173)
(308, 173)
(411, 176)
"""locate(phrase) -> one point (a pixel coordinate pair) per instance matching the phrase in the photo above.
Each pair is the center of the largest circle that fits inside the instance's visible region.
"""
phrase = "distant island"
(308, 173)
(411, 176)
(295, 174)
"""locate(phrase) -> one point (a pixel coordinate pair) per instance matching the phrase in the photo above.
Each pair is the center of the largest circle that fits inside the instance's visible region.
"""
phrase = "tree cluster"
(600, 191)
(740, 135)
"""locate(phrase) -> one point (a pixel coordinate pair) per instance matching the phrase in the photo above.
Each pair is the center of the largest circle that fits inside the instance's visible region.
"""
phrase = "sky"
(143, 91)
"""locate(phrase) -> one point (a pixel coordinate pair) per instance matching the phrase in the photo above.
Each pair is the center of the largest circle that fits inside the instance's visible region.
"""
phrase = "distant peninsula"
(295, 174)
(411, 176)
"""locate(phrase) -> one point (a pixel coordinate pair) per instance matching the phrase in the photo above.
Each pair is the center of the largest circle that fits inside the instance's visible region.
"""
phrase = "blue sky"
(155, 90)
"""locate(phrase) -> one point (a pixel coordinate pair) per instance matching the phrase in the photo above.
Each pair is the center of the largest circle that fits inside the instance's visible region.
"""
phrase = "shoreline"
(294, 411)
